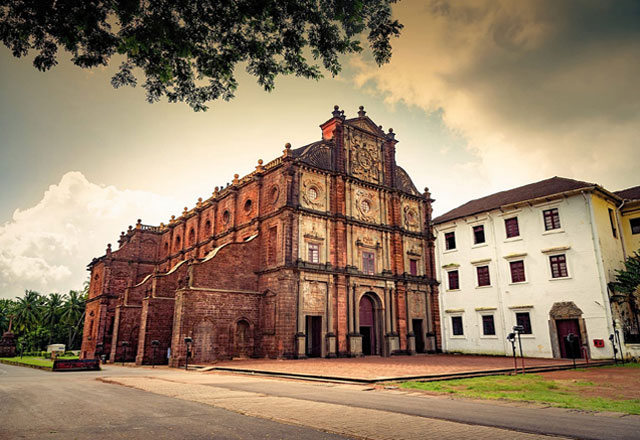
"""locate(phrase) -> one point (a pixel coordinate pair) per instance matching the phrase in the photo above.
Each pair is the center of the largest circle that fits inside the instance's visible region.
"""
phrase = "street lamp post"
(99, 347)
(125, 346)
(154, 344)
(188, 341)
(511, 337)
(518, 329)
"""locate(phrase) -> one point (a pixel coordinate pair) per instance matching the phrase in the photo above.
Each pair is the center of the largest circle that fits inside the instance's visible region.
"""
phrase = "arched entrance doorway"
(203, 342)
(243, 339)
(369, 326)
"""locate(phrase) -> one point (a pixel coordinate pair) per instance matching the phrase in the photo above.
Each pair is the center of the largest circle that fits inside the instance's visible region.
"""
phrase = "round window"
(247, 205)
(365, 206)
(312, 193)
(225, 217)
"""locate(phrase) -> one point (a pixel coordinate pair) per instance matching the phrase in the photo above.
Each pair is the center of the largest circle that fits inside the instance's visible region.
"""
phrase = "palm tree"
(73, 314)
(27, 310)
(51, 312)
(6, 308)
(626, 289)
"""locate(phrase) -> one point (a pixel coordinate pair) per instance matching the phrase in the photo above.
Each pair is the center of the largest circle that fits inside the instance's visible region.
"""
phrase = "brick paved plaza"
(376, 367)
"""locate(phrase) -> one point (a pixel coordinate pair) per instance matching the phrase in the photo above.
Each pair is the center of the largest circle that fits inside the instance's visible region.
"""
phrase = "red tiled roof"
(629, 193)
(548, 187)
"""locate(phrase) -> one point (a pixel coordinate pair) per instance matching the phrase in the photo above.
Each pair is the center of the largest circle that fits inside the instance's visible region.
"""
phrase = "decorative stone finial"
(185, 210)
(391, 134)
(361, 113)
(260, 167)
(173, 219)
(162, 225)
(130, 228)
(108, 248)
(287, 150)
(139, 224)
(122, 235)
(216, 190)
(235, 179)
(199, 204)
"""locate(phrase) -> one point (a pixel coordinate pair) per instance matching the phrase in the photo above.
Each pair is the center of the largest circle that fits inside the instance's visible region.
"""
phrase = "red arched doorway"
(368, 326)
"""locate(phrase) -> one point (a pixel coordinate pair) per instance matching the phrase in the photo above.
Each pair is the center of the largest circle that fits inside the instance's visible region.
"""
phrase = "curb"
(421, 378)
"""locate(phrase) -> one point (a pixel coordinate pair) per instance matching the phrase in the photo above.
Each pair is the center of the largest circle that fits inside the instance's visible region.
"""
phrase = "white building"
(540, 256)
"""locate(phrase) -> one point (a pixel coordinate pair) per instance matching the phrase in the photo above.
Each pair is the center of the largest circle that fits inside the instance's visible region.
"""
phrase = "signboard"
(76, 365)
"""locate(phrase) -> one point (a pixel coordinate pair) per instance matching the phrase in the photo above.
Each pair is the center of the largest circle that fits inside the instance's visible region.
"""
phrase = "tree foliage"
(187, 50)
(38, 320)
(628, 279)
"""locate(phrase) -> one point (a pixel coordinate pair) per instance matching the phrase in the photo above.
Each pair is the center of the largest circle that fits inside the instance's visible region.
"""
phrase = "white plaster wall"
(538, 293)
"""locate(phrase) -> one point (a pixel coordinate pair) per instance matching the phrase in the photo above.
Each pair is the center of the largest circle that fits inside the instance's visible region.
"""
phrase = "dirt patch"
(619, 383)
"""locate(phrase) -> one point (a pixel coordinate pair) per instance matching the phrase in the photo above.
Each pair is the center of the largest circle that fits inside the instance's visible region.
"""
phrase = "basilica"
(325, 251)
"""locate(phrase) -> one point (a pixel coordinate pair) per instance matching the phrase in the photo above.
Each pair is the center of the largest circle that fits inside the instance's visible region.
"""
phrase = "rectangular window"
(454, 281)
(478, 234)
(488, 328)
(450, 240)
(456, 326)
(413, 267)
(558, 266)
(483, 276)
(612, 220)
(273, 245)
(368, 263)
(635, 225)
(511, 227)
(314, 252)
(517, 271)
(551, 219)
(522, 318)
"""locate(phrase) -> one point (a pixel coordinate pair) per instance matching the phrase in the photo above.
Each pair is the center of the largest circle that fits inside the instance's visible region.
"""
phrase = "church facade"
(325, 251)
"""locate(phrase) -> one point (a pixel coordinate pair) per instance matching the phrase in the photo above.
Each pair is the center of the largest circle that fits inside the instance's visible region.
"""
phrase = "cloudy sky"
(483, 96)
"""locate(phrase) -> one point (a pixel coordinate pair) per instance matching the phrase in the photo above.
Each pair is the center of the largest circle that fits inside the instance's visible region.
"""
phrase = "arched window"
(166, 249)
(207, 227)
(192, 237)
(178, 242)
(247, 205)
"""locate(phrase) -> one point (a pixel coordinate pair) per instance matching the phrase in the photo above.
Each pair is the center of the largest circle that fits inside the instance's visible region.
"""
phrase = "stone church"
(324, 251)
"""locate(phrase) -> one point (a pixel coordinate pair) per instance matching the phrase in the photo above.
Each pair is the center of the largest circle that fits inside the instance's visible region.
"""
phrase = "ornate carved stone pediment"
(364, 153)
(565, 310)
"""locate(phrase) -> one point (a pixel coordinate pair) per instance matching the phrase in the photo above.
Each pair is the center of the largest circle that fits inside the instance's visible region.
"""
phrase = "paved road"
(194, 405)
(35, 404)
(525, 418)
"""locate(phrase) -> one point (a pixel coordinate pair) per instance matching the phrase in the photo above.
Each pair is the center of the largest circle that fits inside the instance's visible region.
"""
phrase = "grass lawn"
(36, 360)
(575, 393)
(31, 360)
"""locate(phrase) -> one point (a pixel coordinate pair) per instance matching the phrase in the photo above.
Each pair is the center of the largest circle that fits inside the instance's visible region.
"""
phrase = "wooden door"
(367, 326)
(419, 335)
(569, 349)
(314, 336)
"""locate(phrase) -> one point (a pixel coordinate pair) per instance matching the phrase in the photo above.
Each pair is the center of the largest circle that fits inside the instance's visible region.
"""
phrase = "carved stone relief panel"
(417, 304)
(411, 215)
(313, 296)
(364, 155)
(313, 192)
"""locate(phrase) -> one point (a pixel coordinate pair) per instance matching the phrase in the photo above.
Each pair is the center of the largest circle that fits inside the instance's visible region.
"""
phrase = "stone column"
(411, 336)
(355, 338)
(301, 339)
(330, 335)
